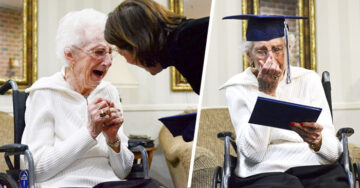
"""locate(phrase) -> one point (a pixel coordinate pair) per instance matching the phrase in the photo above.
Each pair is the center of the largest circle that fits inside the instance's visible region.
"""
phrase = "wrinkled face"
(91, 62)
(262, 50)
(131, 60)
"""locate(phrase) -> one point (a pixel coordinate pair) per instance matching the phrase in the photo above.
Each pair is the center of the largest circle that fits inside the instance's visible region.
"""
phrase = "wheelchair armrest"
(17, 149)
(145, 160)
(222, 135)
(347, 130)
(8, 85)
(343, 135)
(13, 148)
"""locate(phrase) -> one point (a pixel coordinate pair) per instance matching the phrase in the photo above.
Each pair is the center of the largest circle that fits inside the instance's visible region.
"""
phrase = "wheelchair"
(222, 174)
(12, 177)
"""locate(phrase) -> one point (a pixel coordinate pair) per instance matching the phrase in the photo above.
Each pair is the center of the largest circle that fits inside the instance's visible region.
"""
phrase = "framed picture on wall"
(18, 44)
(190, 9)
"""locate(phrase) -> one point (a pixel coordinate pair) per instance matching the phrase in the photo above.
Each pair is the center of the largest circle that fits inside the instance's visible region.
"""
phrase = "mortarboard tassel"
(288, 79)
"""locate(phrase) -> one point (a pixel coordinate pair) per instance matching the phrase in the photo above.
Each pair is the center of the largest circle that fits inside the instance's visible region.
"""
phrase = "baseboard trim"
(346, 106)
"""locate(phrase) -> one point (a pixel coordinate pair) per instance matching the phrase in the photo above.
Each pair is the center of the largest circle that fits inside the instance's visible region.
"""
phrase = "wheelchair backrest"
(325, 79)
(19, 106)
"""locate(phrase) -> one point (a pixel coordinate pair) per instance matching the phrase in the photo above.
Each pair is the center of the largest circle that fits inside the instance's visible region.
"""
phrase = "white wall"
(338, 25)
(224, 58)
(142, 106)
(337, 28)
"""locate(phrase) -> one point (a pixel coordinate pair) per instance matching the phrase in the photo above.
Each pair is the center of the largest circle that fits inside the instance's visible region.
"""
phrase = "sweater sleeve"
(331, 147)
(120, 162)
(252, 140)
(40, 135)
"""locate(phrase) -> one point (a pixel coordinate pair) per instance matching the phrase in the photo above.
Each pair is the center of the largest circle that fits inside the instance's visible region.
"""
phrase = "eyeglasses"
(277, 51)
(98, 53)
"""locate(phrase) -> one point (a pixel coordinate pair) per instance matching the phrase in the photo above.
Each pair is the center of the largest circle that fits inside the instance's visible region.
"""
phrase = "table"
(137, 155)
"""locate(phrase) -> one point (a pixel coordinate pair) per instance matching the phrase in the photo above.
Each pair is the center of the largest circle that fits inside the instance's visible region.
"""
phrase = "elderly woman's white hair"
(78, 28)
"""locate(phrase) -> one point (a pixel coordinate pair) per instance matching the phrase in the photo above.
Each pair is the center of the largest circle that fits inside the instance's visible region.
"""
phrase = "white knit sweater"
(263, 149)
(65, 155)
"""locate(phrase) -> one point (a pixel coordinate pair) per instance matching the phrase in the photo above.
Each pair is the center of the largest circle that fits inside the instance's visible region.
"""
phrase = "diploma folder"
(183, 125)
(279, 114)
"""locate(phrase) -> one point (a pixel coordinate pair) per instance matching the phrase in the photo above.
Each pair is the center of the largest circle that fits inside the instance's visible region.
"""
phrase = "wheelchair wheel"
(357, 173)
(6, 181)
(217, 176)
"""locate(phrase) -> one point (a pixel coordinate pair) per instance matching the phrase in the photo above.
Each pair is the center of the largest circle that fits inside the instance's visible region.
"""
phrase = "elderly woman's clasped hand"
(104, 117)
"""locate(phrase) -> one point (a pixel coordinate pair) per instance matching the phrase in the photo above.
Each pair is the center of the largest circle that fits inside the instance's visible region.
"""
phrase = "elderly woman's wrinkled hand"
(99, 115)
(310, 132)
(268, 77)
(111, 127)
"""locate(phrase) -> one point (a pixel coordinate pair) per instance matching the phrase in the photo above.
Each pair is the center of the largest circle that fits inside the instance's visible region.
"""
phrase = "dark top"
(186, 50)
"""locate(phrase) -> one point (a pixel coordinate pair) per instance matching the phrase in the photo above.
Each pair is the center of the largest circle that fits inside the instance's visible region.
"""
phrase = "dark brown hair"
(141, 27)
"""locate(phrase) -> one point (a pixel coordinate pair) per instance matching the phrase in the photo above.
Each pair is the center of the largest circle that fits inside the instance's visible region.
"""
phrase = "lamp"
(119, 73)
(13, 65)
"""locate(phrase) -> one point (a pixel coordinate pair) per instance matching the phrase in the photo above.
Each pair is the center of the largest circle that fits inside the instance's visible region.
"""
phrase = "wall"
(10, 40)
(142, 106)
(224, 58)
(337, 26)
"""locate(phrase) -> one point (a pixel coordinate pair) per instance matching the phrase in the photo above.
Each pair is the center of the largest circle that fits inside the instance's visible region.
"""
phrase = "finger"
(312, 125)
(92, 107)
(98, 100)
(277, 69)
(303, 130)
(272, 69)
(105, 110)
(266, 66)
(309, 141)
(311, 131)
(101, 104)
(117, 121)
(109, 102)
(294, 123)
(112, 109)
(261, 63)
(313, 137)
(97, 120)
(303, 135)
(116, 114)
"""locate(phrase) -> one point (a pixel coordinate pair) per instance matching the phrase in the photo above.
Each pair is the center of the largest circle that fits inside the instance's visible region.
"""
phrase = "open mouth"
(98, 73)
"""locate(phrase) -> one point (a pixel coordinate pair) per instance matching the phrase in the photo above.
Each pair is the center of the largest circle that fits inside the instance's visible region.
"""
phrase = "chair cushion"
(6, 135)
(354, 153)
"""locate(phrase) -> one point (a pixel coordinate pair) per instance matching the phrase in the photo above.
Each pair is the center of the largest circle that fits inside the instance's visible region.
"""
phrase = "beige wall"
(337, 28)
(11, 28)
(142, 106)
(338, 25)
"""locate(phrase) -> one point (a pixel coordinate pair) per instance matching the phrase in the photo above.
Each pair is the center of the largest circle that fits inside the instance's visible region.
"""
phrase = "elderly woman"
(272, 157)
(73, 118)
(153, 38)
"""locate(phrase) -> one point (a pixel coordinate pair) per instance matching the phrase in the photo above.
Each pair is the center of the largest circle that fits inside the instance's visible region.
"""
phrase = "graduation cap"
(181, 125)
(267, 27)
